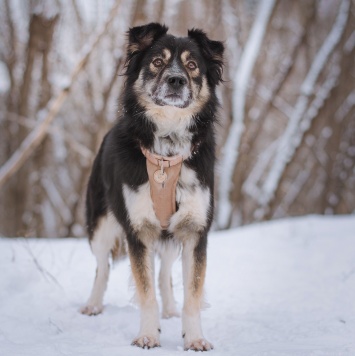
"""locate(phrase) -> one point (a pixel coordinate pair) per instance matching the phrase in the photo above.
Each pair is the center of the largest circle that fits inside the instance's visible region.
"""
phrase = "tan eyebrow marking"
(184, 56)
(166, 54)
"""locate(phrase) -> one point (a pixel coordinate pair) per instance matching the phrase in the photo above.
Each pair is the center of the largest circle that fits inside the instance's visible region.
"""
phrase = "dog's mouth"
(172, 100)
(163, 97)
(173, 97)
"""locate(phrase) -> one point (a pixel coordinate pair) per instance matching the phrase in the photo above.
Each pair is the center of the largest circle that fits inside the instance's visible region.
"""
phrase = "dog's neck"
(172, 136)
(173, 144)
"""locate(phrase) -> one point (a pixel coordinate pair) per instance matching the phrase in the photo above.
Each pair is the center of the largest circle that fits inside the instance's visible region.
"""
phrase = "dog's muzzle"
(173, 91)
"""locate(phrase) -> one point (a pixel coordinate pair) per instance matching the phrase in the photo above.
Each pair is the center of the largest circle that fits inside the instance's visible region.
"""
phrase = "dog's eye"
(191, 65)
(158, 62)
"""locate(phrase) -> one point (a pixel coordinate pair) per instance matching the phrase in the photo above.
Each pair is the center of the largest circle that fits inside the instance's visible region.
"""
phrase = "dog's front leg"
(194, 270)
(142, 264)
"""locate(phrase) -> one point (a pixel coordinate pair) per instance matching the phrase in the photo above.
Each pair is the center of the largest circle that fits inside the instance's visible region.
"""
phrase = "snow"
(285, 287)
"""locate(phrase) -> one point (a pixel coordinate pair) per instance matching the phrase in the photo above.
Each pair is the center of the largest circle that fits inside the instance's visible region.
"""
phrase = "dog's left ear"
(141, 37)
(213, 53)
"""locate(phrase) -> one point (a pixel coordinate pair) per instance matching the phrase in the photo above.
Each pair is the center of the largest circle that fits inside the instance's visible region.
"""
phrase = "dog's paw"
(198, 345)
(146, 342)
(167, 314)
(91, 309)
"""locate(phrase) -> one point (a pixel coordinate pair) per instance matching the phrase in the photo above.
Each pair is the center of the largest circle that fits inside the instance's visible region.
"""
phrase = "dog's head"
(169, 71)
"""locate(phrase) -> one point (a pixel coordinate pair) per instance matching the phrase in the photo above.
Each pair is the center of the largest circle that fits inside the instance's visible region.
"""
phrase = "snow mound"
(279, 288)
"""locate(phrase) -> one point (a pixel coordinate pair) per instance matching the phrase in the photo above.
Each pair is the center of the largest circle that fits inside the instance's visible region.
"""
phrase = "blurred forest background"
(286, 139)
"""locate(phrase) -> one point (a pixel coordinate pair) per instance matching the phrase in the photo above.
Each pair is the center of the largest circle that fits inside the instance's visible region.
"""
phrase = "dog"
(151, 185)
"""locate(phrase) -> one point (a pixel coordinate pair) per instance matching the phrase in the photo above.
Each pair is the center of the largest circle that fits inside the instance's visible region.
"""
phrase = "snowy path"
(279, 288)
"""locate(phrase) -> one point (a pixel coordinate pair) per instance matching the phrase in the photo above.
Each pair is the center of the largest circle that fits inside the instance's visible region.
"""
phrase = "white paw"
(146, 342)
(198, 345)
(167, 314)
(91, 309)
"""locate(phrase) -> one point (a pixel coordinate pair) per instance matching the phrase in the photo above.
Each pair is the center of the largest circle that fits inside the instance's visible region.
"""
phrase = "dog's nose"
(176, 82)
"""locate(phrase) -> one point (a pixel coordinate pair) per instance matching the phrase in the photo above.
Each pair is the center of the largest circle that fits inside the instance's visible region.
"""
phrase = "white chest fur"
(173, 136)
(193, 201)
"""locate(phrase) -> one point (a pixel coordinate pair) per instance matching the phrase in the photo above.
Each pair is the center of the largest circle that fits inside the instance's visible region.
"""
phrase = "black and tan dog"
(169, 112)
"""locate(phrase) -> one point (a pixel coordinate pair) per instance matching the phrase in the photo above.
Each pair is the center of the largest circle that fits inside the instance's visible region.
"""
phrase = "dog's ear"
(141, 37)
(212, 52)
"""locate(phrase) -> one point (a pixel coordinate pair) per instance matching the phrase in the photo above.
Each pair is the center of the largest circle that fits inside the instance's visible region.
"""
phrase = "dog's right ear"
(141, 37)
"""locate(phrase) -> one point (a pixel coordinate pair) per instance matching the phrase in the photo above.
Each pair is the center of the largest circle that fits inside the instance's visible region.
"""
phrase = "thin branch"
(47, 275)
(34, 139)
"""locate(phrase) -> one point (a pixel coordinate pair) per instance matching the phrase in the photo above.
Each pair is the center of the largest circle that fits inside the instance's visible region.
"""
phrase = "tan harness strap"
(163, 173)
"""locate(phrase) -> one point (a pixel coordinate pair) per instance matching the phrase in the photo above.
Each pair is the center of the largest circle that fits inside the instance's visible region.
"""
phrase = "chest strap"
(163, 173)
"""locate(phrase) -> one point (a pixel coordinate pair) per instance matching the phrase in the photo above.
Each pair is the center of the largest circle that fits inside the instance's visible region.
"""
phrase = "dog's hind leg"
(106, 238)
(168, 253)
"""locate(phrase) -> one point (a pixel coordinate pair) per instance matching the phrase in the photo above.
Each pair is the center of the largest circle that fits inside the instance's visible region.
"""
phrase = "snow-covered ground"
(279, 288)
